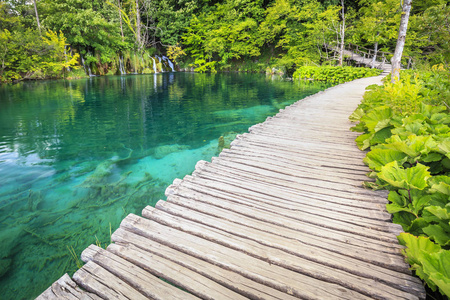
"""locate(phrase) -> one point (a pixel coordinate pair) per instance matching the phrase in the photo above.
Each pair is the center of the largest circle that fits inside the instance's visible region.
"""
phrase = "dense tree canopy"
(215, 34)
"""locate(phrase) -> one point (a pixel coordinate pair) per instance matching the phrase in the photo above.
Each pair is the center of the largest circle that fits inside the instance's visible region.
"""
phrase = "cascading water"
(169, 62)
(121, 67)
(88, 70)
(159, 58)
(154, 64)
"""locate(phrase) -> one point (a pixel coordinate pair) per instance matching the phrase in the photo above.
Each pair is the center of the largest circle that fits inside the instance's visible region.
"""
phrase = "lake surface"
(77, 156)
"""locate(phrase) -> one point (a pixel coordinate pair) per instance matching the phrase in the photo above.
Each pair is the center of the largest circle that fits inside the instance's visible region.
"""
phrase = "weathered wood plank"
(286, 172)
(65, 288)
(258, 270)
(319, 187)
(303, 158)
(242, 285)
(278, 161)
(244, 215)
(373, 221)
(366, 264)
(350, 227)
(275, 256)
(96, 279)
(282, 183)
(300, 199)
(270, 214)
(147, 284)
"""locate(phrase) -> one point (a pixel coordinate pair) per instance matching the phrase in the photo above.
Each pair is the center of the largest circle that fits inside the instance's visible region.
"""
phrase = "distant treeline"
(48, 38)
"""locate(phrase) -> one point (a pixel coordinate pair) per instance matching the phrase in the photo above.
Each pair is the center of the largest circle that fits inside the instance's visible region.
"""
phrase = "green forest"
(72, 38)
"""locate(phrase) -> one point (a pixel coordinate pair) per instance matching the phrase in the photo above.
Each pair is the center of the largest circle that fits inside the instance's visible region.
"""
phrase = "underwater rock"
(5, 265)
(221, 143)
(165, 150)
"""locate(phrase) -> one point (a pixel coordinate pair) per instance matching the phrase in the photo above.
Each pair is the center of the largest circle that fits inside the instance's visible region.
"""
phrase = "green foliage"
(411, 159)
(334, 74)
(28, 55)
(430, 262)
(227, 32)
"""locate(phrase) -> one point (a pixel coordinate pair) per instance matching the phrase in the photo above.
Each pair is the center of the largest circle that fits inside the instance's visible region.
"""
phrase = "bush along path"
(406, 128)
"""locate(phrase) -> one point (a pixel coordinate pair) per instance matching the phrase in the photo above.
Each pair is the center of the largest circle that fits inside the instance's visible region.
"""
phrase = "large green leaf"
(438, 234)
(414, 252)
(413, 145)
(411, 178)
(430, 110)
(444, 148)
(440, 184)
(381, 136)
(363, 141)
(416, 244)
(378, 118)
(378, 157)
(356, 115)
(441, 213)
(437, 266)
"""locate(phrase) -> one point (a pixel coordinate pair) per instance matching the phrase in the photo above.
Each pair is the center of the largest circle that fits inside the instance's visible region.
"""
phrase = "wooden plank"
(250, 140)
(126, 240)
(300, 199)
(311, 187)
(282, 162)
(65, 288)
(270, 215)
(268, 252)
(286, 172)
(370, 219)
(96, 279)
(351, 227)
(300, 185)
(337, 150)
(303, 158)
(314, 198)
(258, 270)
(380, 267)
(369, 254)
(147, 284)
(305, 178)
(283, 182)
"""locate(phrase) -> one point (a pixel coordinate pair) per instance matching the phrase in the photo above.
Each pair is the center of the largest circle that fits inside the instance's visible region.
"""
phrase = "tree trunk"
(37, 16)
(342, 33)
(138, 26)
(120, 18)
(374, 59)
(395, 75)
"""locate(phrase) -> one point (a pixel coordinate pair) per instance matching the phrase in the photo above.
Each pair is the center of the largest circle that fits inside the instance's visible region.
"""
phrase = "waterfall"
(154, 64)
(159, 58)
(88, 71)
(121, 66)
(169, 62)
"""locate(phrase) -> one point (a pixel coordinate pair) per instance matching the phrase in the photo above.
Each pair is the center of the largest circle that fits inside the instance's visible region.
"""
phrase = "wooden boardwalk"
(281, 215)
(365, 59)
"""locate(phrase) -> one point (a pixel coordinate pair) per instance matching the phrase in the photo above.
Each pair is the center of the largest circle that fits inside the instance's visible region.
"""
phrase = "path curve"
(280, 215)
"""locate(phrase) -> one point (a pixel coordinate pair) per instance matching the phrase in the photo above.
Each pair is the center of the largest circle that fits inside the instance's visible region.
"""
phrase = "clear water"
(77, 156)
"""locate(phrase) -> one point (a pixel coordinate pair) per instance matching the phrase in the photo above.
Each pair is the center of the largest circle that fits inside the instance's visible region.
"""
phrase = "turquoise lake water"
(77, 156)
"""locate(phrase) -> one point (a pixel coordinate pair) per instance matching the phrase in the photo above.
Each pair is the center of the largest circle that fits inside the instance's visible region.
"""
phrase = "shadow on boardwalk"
(281, 215)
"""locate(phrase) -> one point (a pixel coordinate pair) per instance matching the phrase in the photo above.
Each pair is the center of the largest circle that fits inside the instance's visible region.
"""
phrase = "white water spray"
(169, 62)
